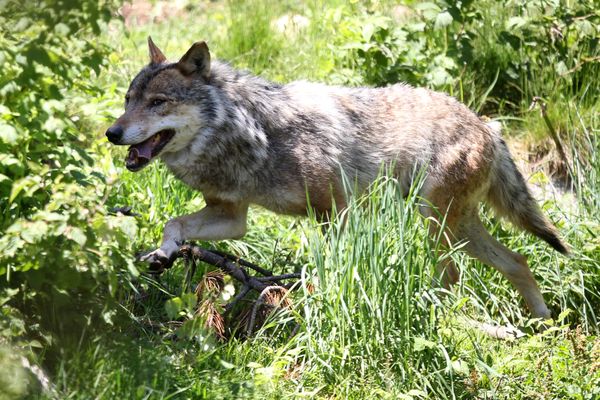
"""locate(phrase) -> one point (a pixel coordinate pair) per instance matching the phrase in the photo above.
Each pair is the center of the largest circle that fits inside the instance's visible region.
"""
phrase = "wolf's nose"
(114, 133)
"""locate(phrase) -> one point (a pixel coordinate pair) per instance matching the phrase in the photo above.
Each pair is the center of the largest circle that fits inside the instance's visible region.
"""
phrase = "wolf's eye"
(157, 102)
(126, 99)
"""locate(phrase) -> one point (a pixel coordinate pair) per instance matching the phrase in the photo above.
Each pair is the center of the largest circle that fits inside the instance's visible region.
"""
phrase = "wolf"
(240, 140)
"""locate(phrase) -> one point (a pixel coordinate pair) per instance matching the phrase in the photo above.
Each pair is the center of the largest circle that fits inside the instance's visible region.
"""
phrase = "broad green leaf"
(173, 307)
(586, 28)
(367, 31)
(561, 68)
(4, 111)
(515, 23)
(77, 235)
(422, 344)
(7, 294)
(460, 367)
(22, 184)
(34, 231)
(442, 20)
(429, 10)
(8, 133)
(189, 301)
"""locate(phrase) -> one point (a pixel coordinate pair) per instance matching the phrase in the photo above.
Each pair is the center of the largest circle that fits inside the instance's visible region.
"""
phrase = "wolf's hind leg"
(217, 221)
(512, 265)
(447, 273)
(445, 270)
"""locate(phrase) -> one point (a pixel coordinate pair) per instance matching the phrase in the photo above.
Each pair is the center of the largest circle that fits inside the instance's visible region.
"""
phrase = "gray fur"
(242, 140)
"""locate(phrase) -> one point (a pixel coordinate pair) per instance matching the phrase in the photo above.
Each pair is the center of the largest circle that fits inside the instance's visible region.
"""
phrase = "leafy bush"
(385, 50)
(512, 49)
(536, 48)
(58, 246)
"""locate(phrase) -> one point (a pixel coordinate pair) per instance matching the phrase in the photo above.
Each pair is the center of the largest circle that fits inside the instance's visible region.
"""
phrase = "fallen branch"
(243, 262)
(234, 268)
(237, 269)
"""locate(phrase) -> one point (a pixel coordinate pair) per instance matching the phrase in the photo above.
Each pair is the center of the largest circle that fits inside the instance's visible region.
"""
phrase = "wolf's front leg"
(218, 220)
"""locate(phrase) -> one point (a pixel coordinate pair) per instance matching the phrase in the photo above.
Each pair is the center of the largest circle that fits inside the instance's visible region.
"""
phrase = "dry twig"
(237, 268)
(559, 147)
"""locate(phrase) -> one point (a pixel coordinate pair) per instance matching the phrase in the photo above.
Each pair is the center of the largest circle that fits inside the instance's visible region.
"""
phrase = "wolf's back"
(511, 198)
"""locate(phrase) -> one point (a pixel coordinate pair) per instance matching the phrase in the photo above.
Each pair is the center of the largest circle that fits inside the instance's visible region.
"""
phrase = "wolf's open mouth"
(139, 155)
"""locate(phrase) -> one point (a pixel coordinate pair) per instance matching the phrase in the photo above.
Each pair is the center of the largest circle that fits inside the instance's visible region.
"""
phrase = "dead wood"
(261, 281)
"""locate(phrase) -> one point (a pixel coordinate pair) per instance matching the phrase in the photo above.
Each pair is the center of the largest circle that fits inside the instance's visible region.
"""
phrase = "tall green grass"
(372, 316)
(373, 323)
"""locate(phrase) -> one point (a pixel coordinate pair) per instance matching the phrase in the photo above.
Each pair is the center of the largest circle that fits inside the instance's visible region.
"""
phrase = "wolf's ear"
(196, 60)
(156, 56)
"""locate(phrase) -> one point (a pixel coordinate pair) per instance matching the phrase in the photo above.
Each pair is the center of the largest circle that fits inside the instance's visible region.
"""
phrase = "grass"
(373, 323)
(374, 326)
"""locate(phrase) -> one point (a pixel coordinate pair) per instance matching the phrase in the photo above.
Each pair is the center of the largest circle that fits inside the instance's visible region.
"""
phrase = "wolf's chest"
(213, 179)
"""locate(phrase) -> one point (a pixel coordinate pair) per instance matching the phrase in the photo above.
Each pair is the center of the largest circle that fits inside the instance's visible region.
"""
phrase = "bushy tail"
(511, 198)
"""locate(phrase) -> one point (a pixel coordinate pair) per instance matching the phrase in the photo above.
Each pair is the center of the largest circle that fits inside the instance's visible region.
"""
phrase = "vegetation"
(367, 321)
(60, 251)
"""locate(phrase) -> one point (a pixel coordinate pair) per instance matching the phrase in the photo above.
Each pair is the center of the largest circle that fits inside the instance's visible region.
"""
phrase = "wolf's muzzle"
(114, 134)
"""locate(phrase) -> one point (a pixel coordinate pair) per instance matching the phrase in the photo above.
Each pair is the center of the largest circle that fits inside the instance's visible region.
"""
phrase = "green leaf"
(417, 393)
(61, 29)
(20, 185)
(422, 344)
(193, 328)
(189, 301)
(442, 20)
(561, 68)
(7, 294)
(564, 314)
(8, 133)
(10, 245)
(40, 55)
(34, 231)
(429, 10)
(585, 28)
(4, 111)
(460, 367)
(77, 235)
(173, 307)
(367, 32)
(515, 23)
(461, 303)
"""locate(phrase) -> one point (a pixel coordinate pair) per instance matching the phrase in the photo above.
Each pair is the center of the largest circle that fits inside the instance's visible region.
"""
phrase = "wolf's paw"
(158, 260)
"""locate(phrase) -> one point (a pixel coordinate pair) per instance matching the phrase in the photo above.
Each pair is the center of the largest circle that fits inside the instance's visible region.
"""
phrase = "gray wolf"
(241, 140)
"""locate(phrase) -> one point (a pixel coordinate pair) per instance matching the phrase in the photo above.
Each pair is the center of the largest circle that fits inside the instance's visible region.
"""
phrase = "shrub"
(512, 50)
(59, 248)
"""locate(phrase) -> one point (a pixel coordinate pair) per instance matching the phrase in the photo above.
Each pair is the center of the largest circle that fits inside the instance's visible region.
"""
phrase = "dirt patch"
(142, 12)
(554, 183)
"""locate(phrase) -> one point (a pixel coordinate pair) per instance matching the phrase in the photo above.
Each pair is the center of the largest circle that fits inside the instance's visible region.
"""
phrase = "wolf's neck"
(247, 112)
(229, 154)
(248, 100)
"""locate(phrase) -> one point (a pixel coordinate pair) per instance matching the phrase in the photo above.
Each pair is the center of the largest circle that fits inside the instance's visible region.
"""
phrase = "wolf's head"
(164, 106)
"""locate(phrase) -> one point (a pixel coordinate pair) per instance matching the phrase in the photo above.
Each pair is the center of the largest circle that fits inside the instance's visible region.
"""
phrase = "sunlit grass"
(374, 324)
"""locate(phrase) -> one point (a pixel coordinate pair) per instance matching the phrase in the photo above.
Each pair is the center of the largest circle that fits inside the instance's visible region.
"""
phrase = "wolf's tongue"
(142, 150)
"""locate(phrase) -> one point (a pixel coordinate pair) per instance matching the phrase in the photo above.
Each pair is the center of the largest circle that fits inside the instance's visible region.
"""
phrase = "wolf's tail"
(511, 198)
